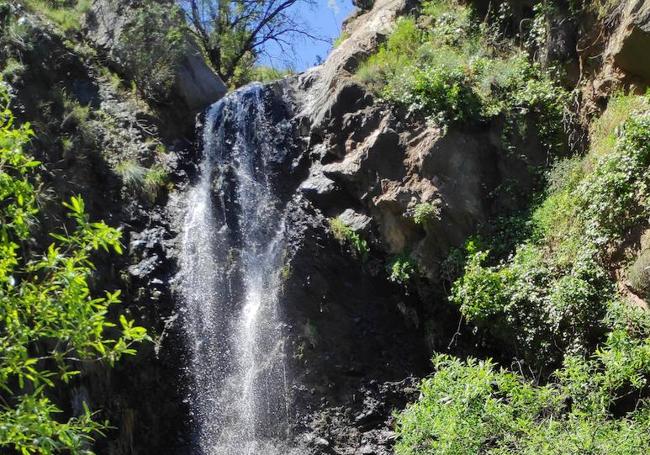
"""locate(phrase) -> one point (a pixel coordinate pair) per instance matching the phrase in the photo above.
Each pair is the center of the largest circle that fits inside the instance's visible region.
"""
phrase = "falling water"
(232, 255)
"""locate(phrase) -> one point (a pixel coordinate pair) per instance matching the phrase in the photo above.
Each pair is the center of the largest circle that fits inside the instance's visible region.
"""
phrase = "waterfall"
(232, 254)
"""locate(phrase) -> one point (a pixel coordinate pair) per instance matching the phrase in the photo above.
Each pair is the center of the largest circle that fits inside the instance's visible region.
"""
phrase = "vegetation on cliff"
(554, 306)
(455, 69)
(52, 321)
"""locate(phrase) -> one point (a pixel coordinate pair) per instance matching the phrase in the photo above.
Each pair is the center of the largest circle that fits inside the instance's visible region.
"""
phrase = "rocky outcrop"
(385, 163)
(628, 46)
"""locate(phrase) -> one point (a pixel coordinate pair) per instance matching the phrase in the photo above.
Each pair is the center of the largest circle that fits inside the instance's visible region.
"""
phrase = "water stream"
(232, 255)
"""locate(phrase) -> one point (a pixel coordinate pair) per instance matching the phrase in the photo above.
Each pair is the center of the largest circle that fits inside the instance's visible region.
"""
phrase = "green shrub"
(402, 269)
(615, 195)
(391, 59)
(473, 407)
(451, 71)
(426, 213)
(551, 294)
(51, 321)
(443, 93)
(347, 236)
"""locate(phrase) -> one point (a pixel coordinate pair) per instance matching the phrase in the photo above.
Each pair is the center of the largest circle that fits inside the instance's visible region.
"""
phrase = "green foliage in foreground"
(457, 69)
(50, 320)
(347, 236)
(554, 305)
(592, 407)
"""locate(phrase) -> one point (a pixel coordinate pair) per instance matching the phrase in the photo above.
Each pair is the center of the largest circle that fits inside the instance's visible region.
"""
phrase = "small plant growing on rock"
(346, 235)
(402, 269)
(12, 70)
(426, 212)
(148, 182)
(339, 40)
(155, 180)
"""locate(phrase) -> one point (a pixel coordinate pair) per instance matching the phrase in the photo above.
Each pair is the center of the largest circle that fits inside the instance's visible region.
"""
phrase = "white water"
(232, 254)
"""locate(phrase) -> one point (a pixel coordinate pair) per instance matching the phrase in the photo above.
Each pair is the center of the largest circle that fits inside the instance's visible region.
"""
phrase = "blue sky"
(324, 19)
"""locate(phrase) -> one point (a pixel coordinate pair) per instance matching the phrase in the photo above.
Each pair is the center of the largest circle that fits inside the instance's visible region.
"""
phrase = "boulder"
(358, 222)
(196, 83)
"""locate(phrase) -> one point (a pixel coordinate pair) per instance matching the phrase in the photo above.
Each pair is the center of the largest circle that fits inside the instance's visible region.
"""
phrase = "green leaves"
(151, 48)
(550, 304)
(402, 268)
(346, 235)
(473, 407)
(49, 320)
(447, 66)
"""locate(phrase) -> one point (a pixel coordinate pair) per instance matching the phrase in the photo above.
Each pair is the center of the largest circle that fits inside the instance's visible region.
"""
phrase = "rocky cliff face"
(357, 341)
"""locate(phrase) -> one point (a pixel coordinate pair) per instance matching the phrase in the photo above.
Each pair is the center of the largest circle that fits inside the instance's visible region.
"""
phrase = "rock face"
(630, 43)
(383, 164)
(196, 83)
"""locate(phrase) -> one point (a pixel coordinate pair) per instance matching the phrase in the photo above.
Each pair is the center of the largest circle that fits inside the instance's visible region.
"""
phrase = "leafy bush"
(50, 321)
(396, 54)
(151, 48)
(402, 269)
(426, 212)
(347, 236)
(453, 72)
(615, 195)
(472, 407)
(550, 296)
(443, 93)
